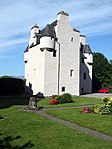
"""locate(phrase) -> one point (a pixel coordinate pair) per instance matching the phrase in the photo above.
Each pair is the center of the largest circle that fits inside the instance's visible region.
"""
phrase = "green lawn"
(79, 101)
(25, 130)
(102, 123)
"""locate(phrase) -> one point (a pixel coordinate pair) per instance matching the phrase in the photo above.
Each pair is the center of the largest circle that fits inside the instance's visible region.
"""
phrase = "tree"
(110, 61)
(102, 71)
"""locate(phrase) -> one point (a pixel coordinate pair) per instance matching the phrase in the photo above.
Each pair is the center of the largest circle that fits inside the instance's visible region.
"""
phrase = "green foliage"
(106, 108)
(102, 109)
(96, 109)
(102, 71)
(65, 98)
(5, 77)
(108, 101)
(11, 86)
(54, 96)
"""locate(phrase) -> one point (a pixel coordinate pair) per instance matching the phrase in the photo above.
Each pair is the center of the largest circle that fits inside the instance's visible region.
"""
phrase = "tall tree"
(102, 71)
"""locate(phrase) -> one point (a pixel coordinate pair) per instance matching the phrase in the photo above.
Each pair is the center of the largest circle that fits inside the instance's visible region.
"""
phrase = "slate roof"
(26, 50)
(49, 30)
(76, 30)
(87, 49)
(82, 36)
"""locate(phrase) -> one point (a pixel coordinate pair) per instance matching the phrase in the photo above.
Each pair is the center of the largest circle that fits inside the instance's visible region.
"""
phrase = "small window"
(63, 89)
(72, 39)
(34, 71)
(82, 59)
(71, 73)
(84, 76)
(25, 61)
(54, 53)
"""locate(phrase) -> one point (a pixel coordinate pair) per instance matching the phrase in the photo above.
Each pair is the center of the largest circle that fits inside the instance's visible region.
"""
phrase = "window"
(34, 71)
(63, 89)
(54, 53)
(82, 59)
(72, 39)
(71, 73)
(84, 76)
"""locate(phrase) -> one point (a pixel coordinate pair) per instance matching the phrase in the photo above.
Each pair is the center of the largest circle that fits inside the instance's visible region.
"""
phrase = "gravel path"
(72, 125)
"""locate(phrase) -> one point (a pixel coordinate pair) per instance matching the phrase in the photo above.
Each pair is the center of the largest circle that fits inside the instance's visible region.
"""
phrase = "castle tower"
(69, 55)
(58, 60)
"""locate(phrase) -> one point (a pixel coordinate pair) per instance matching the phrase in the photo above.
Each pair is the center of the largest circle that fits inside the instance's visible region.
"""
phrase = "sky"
(92, 17)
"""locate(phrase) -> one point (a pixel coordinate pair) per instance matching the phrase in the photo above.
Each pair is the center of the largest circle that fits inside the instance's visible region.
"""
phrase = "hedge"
(11, 86)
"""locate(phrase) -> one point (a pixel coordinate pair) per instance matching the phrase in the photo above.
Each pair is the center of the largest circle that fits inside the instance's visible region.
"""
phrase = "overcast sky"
(92, 17)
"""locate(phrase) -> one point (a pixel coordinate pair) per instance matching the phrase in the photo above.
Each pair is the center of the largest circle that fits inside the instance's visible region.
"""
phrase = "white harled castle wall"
(69, 56)
(35, 70)
(51, 74)
(87, 84)
(47, 42)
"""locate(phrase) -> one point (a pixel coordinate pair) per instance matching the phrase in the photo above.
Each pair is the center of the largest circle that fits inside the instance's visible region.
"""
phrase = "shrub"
(107, 101)
(86, 110)
(102, 109)
(53, 101)
(65, 98)
(105, 109)
(96, 109)
(54, 96)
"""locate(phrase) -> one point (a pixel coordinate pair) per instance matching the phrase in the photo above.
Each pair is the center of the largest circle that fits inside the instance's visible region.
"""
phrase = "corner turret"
(47, 40)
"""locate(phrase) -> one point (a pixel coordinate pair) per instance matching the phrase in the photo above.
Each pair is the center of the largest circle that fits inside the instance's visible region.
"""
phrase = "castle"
(58, 60)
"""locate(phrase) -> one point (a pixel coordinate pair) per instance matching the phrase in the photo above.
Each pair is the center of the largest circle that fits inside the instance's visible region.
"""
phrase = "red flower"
(53, 101)
(85, 110)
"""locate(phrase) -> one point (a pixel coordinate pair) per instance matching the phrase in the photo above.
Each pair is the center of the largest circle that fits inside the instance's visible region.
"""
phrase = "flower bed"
(53, 101)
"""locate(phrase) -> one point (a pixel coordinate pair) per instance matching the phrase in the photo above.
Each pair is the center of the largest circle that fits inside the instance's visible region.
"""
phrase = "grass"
(79, 101)
(8, 101)
(97, 122)
(25, 130)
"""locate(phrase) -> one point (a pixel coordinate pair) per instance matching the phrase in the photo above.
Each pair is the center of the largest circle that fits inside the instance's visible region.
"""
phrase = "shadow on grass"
(1, 117)
(6, 143)
(8, 101)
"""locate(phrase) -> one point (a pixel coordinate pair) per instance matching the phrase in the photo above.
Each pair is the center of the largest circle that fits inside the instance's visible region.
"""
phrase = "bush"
(65, 98)
(105, 109)
(86, 110)
(54, 96)
(96, 109)
(107, 101)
